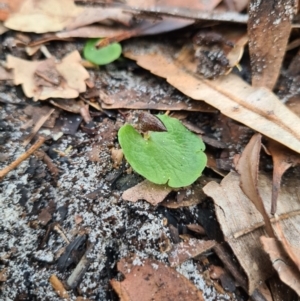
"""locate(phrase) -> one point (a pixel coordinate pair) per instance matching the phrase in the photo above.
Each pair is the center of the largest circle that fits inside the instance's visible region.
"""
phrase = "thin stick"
(23, 157)
(58, 287)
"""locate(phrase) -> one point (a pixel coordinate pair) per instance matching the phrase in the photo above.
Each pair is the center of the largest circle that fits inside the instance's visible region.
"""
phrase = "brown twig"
(37, 126)
(23, 157)
(59, 287)
(47, 160)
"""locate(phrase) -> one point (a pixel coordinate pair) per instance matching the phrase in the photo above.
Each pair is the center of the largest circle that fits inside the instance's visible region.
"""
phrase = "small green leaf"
(101, 56)
(174, 157)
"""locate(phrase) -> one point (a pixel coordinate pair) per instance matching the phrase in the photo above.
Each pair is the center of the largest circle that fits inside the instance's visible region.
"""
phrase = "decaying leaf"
(242, 224)
(286, 270)
(201, 5)
(8, 7)
(116, 156)
(257, 108)
(269, 28)
(190, 196)
(92, 15)
(5, 74)
(188, 249)
(152, 280)
(33, 16)
(237, 216)
(132, 99)
(248, 169)
(69, 105)
(283, 158)
(280, 291)
(44, 79)
(152, 193)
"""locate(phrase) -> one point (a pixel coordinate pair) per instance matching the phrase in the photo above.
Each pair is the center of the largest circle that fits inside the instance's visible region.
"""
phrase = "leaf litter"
(66, 224)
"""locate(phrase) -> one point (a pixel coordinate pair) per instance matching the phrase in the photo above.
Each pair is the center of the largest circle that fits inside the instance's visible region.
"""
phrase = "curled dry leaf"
(195, 4)
(236, 214)
(8, 7)
(242, 224)
(33, 16)
(190, 196)
(132, 99)
(45, 79)
(69, 105)
(286, 270)
(5, 74)
(257, 108)
(92, 15)
(117, 157)
(269, 29)
(237, 5)
(280, 291)
(38, 17)
(150, 192)
(152, 280)
(188, 249)
(247, 167)
(283, 158)
(121, 33)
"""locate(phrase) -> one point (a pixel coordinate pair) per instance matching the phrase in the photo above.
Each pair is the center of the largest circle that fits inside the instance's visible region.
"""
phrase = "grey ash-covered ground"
(78, 220)
(41, 216)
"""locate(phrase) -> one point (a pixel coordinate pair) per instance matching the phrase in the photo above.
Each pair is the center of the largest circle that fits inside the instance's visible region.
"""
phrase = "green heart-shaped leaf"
(174, 157)
(101, 56)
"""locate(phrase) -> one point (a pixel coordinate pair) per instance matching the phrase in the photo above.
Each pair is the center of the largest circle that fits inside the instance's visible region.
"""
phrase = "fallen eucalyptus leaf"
(188, 249)
(247, 167)
(242, 224)
(269, 29)
(152, 280)
(287, 272)
(258, 108)
(150, 192)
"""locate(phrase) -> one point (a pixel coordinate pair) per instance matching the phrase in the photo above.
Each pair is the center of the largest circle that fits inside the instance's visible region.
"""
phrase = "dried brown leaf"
(46, 82)
(69, 105)
(153, 281)
(92, 31)
(189, 196)
(92, 15)
(237, 5)
(188, 249)
(248, 169)
(242, 223)
(3, 29)
(43, 16)
(287, 272)
(152, 193)
(131, 99)
(280, 291)
(73, 72)
(196, 228)
(291, 251)
(191, 4)
(116, 156)
(5, 74)
(283, 158)
(8, 7)
(236, 215)
(257, 108)
(269, 28)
